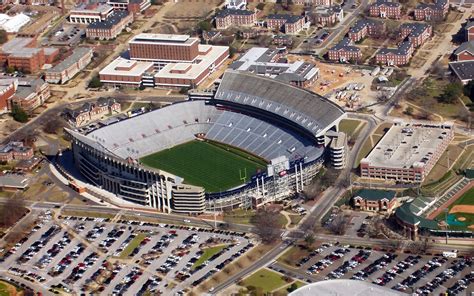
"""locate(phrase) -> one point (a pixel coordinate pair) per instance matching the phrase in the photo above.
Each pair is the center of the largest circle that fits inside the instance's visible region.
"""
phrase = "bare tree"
(12, 211)
(338, 225)
(54, 125)
(266, 225)
(309, 240)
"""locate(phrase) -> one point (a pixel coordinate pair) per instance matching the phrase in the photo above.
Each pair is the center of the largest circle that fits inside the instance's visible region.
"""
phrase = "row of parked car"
(399, 268)
(67, 260)
(417, 275)
(378, 264)
(327, 260)
(355, 261)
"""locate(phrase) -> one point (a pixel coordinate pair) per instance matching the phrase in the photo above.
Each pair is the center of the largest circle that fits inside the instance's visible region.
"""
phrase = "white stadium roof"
(342, 287)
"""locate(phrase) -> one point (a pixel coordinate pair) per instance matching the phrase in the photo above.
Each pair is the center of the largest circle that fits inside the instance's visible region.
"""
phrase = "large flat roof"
(76, 55)
(137, 68)
(408, 145)
(149, 38)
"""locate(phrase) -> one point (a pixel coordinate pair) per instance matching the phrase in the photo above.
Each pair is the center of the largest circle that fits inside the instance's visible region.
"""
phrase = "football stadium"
(250, 141)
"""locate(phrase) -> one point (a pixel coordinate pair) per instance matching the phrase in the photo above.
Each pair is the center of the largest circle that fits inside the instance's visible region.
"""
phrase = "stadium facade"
(283, 124)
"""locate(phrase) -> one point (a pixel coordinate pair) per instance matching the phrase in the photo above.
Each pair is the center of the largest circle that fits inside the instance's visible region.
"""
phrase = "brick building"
(365, 27)
(326, 15)
(133, 6)
(313, 2)
(469, 31)
(235, 17)
(30, 94)
(287, 23)
(385, 9)
(416, 33)
(123, 72)
(70, 66)
(380, 201)
(90, 112)
(432, 12)
(111, 27)
(465, 52)
(395, 56)
(24, 55)
(7, 90)
(15, 151)
(407, 152)
(90, 13)
(344, 51)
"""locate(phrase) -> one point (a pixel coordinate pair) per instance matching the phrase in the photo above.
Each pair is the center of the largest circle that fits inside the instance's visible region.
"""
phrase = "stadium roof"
(342, 287)
(309, 110)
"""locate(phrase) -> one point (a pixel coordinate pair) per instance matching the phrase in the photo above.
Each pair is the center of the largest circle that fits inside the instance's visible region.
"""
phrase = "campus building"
(313, 2)
(111, 27)
(7, 90)
(327, 15)
(344, 51)
(70, 66)
(417, 33)
(337, 149)
(395, 56)
(178, 60)
(469, 31)
(15, 151)
(385, 9)
(266, 62)
(372, 200)
(365, 27)
(407, 152)
(235, 17)
(436, 11)
(30, 94)
(465, 52)
(289, 24)
(24, 55)
(463, 70)
(133, 6)
(90, 112)
(90, 13)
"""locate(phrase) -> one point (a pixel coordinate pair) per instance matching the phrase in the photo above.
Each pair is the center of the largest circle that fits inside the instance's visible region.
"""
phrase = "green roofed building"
(412, 223)
(469, 173)
(375, 200)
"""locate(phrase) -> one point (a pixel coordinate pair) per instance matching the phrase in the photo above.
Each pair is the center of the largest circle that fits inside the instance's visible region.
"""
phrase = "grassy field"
(206, 164)
(293, 256)
(349, 126)
(466, 199)
(7, 289)
(284, 291)
(241, 216)
(468, 219)
(132, 245)
(265, 279)
(208, 253)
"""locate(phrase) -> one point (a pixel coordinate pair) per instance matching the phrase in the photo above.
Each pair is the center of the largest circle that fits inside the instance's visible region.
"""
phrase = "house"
(375, 200)
(385, 9)
(92, 111)
(344, 51)
(287, 23)
(465, 52)
(282, 40)
(365, 27)
(417, 33)
(395, 56)
(432, 12)
(469, 31)
(327, 15)
(235, 17)
(464, 70)
(15, 151)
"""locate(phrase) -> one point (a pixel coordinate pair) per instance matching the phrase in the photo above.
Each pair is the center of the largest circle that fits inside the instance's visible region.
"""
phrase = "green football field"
(216, 167)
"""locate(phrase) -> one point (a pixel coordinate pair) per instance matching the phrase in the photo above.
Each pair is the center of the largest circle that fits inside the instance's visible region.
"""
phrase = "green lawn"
(213, 166)
(265, 279)
(348, 126)
(293, 255)
(208, 253)
(132, 245)
(4, 290)
(284, 291)
(466, 199)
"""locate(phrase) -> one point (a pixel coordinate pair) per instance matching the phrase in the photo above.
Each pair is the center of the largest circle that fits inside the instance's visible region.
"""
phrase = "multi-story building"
(30, 94)
(463, 70)
(395, 56)
(287, 23)
(265, 62)
(417, 33)
(313, 2)
(7, 90)
(385, 9)
(235, 17)
(337, 149)
(111, 27)
(407, 152)
(123, 72)
(133, 6)
(70, 66)
(179, 61)
(365, 27)
(469, 31)
(15, 151)
(327, 15)
(90, 13)
(344, 51)
(90, 112)
(465, 52)
(372, 200)
(432, 12)
(24, 55)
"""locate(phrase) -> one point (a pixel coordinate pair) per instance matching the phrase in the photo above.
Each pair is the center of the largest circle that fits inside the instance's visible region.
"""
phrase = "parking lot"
(93, 255)
(408, 273)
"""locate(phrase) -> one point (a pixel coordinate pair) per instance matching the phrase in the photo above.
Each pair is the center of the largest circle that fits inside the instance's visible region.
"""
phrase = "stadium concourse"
(259, 120)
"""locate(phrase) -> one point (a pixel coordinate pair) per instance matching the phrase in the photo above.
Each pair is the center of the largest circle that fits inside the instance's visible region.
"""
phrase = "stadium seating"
(179, 123)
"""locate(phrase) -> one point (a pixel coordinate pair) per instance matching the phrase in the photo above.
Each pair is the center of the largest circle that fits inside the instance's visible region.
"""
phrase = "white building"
(13, 24)
(236, 4)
